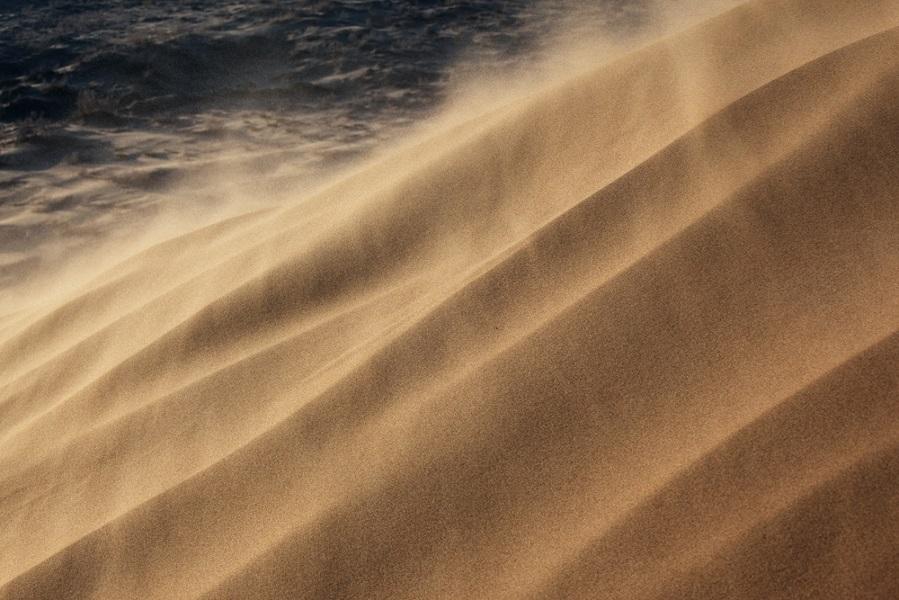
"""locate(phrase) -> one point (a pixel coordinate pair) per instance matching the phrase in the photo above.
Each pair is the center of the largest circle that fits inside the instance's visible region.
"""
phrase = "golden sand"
(635, 336)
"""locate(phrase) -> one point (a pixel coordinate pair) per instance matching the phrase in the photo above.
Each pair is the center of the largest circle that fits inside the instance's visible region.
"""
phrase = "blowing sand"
(635, 336)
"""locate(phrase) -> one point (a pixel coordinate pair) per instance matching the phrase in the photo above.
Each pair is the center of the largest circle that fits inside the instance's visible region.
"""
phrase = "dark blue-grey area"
(132, 97)
(127, 62)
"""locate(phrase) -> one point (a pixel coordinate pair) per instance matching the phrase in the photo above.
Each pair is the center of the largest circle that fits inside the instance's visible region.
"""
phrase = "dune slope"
(635, 336)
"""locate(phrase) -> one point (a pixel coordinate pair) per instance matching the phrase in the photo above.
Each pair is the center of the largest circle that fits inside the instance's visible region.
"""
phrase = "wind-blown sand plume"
(634, 336)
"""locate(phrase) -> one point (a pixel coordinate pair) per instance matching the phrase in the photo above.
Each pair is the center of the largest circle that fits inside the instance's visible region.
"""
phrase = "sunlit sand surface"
(631, 335)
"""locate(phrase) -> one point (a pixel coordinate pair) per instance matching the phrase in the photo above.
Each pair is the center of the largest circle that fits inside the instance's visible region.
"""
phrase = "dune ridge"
(632, 337)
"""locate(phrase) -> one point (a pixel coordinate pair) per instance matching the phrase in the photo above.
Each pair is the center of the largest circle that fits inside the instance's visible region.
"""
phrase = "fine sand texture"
(633, 336)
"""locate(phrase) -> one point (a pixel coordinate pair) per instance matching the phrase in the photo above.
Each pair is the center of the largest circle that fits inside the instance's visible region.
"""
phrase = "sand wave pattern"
(633, 337)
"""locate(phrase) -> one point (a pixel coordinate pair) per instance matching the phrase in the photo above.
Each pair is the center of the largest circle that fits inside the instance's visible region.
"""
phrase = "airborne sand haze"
(632, 336)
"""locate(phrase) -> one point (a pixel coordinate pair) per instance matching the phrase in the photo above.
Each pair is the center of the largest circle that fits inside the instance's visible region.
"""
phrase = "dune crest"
(632, 337)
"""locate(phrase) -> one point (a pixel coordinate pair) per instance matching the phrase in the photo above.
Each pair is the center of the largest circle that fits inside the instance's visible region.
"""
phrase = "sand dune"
(633, 336)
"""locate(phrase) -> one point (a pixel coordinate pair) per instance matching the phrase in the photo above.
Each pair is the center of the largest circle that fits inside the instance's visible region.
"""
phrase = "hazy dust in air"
(142, 123)
(449, 300)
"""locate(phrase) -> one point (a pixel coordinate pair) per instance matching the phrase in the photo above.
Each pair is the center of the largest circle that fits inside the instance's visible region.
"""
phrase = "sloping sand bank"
(633, 337)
